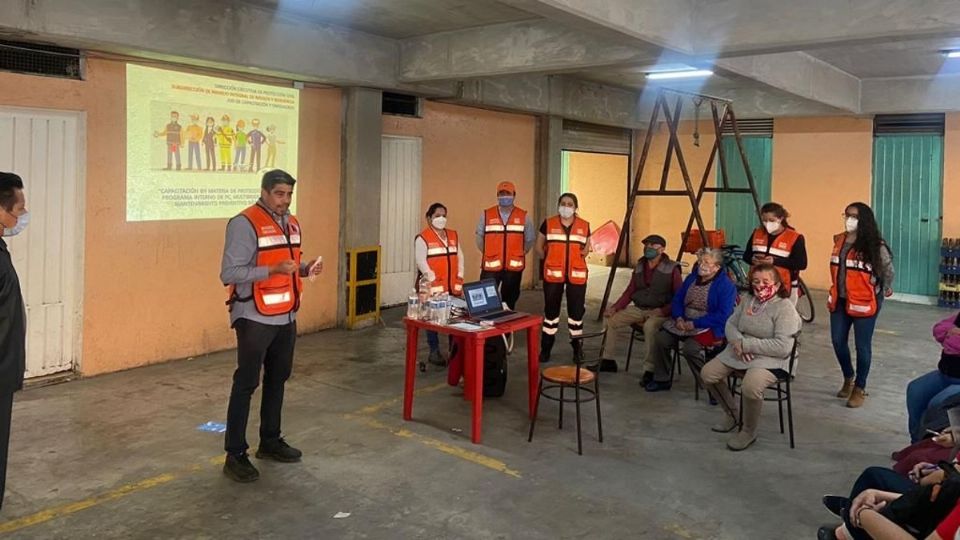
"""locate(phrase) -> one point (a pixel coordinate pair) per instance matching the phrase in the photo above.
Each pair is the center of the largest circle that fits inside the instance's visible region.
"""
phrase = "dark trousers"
(508, 283)
(6, 410)
(880, 478)
(255, 157)
(193, 151)
(173, 151)
(210, 153)
(576, 307)
(840, 324)
(259, 345)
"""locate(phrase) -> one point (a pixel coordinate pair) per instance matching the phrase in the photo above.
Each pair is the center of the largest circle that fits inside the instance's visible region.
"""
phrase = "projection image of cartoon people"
(256, 138)
(210, 143)
(272, 142)
(240, 146)
(172, 132)
(225, 135)
(194, 138)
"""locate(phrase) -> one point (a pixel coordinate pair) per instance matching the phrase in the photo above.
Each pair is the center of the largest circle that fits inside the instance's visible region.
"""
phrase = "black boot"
(577, 345)
(546, 346)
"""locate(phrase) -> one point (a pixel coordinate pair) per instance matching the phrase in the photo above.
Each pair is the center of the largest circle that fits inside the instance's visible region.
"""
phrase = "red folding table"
(471, 343)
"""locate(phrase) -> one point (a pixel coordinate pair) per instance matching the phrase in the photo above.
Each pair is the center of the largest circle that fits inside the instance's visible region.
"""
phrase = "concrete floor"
(120, 456)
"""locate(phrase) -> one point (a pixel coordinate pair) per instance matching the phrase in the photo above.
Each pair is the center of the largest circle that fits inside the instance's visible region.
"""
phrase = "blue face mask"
(650, 253)
(22, 222)
(505, 201)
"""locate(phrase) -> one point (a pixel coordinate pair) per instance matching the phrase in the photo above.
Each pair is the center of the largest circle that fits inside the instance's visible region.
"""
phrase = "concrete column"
(549, 163)
(360, 182)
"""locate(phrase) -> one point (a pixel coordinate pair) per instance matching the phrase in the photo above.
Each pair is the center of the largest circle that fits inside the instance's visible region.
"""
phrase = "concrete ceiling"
(582, 59)
(400, 19)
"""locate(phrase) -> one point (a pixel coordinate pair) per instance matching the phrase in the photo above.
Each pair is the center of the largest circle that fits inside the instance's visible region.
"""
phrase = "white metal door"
(44, 148)
(399, 216)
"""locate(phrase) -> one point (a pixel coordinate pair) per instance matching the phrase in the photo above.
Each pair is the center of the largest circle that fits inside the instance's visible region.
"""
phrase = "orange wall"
(951, 177)
(466, 152)
(819, 166)
(599, 181)
(151, 290)
(668, 215)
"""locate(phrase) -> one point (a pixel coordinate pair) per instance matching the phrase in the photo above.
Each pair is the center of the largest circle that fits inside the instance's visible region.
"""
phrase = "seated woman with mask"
(699, 313)
(761, 334)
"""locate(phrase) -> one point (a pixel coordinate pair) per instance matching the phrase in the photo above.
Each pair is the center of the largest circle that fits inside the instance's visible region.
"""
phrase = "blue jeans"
(927, 391)
(880, 478)
(840, 323)
(433, 341)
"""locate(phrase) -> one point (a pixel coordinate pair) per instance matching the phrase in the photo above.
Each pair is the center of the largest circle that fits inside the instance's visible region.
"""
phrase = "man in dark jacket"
(13, 334)
(646, 301)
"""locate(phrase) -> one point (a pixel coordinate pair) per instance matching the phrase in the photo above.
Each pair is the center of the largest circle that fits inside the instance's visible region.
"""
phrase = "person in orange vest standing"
(505, 234)
(563, 245)
(263, 271)
(437, 254)
(779, 244)
(861, 268)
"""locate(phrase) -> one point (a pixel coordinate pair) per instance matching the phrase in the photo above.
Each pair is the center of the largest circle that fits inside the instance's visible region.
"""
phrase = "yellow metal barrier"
(363, 285)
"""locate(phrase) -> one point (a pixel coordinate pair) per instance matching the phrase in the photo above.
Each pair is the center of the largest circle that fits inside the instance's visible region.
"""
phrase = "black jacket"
(13, 326)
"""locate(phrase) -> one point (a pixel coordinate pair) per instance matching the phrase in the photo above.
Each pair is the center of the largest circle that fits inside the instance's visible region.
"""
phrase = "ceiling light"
(951, 54)
(681, 74)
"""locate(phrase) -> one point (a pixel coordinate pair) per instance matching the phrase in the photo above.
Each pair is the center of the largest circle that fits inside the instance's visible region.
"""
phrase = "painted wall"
(819, 166)
(466, 153)
(663, 215)
(951, 177)
(599, 181)
(151, 290)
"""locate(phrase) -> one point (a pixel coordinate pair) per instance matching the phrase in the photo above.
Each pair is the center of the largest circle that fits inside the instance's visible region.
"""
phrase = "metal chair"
(781, 389)
(636, 334)
(579, 377)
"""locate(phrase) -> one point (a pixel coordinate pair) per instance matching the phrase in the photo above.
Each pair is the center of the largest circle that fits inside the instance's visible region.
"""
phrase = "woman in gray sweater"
(760, 333)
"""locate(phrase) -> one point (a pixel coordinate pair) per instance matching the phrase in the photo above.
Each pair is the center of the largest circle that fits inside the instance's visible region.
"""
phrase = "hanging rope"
(697, 102)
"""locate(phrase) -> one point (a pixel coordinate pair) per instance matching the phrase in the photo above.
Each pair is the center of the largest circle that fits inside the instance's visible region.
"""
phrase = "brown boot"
(748, 432)
(857, 397)
(845, 390)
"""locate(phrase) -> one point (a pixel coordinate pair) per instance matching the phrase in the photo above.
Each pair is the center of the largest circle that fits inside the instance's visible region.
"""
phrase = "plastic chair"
(584, 382)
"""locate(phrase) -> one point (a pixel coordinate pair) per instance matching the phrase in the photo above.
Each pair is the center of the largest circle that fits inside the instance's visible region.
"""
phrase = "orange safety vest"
(782, 247)
(566, 251)
(861, 291)
(444, 260)
(503, 242)
(279, 294)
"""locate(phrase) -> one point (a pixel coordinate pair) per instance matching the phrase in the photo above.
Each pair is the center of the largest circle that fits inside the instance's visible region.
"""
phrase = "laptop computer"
(483, 302)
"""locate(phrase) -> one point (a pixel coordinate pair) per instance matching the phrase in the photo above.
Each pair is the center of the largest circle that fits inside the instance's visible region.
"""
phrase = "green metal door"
(736, 213)
(907, 199)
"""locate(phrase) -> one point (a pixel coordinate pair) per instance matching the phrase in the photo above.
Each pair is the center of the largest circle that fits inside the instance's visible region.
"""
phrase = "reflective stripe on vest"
(861, 300)
(781, 246)
(444, 260)
(279, 294)
(504, 243)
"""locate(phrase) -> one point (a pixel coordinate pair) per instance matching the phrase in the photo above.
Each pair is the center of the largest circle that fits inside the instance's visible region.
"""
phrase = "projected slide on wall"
(197, 145)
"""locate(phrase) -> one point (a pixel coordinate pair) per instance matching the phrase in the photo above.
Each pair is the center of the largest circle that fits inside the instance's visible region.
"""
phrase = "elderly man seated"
(646, 300)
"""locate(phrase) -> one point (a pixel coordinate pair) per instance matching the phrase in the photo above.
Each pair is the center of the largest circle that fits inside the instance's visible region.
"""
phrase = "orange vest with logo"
(444, 260)
(565, 259)
(861, 291)
(782, 246)
(503, 242)
(279, 294)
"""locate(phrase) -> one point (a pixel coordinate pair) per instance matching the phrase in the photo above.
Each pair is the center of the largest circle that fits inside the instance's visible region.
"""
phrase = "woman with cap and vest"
(438, 257)
(779, 244)
(505, 234)
(645, 301)
(861, 269)
(262, 269)
(563, 245)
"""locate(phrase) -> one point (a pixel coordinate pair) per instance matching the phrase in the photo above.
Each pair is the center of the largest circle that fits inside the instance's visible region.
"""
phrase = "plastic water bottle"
(413, 305)
(423, 296)
(443, 302)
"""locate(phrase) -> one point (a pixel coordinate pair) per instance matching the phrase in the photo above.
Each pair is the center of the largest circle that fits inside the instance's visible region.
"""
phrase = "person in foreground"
(932, 389)
(760, 335)
(263, 273)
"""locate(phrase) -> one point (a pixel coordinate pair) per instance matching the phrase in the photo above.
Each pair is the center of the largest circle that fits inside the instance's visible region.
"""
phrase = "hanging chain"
(697, 102)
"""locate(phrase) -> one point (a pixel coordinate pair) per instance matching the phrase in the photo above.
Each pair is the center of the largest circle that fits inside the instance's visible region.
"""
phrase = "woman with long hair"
(861, 268)
(779, 244)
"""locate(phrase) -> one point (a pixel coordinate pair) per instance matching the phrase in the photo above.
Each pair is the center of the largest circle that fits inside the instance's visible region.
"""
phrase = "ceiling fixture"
(951, 53)
(690, 73)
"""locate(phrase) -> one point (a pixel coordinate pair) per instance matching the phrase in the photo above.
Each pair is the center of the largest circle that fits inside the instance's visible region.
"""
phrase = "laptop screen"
(482, 297)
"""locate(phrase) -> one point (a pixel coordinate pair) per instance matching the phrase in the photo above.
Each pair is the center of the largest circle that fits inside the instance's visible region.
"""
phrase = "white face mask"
(566, 212)
(771, 226)
(22, 222)
(851, 224)
(439, 222)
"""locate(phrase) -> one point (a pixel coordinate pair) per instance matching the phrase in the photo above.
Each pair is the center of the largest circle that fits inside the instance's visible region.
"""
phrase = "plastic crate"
(694, 243)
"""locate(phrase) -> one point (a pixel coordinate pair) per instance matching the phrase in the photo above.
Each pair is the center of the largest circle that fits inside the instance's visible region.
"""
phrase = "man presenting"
(13, 325)
(505, 234)
(646, 300)
(262, 268)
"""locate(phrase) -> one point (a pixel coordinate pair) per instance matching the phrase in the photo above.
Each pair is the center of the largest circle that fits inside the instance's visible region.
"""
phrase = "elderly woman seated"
(760, 333)
(699, 312)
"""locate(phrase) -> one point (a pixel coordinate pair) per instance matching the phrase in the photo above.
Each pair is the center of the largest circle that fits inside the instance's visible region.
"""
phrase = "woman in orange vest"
(861, 267)
(779, 244)
(437, 254)
(563, 245)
